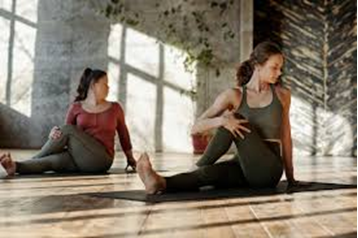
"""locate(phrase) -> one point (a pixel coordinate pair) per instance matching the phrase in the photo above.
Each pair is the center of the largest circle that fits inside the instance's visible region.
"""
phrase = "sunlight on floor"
(61, 206)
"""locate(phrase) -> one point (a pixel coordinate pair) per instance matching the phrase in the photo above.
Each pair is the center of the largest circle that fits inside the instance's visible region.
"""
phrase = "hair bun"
(244, 72)
(87, 71)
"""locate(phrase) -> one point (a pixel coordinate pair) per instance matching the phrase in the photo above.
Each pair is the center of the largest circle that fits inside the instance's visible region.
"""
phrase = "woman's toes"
(2, 156)
(9, 165)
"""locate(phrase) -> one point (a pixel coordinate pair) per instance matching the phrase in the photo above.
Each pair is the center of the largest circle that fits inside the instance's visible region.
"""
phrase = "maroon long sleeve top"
(101, 126)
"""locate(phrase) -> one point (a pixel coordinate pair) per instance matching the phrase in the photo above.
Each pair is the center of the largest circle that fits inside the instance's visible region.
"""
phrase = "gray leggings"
(74, 151)
(257, 163)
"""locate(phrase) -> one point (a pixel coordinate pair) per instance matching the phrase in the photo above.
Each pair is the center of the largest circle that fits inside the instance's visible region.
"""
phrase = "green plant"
(174, 23)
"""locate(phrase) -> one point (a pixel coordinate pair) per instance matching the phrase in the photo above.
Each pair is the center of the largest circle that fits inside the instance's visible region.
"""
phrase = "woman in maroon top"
(86, 142)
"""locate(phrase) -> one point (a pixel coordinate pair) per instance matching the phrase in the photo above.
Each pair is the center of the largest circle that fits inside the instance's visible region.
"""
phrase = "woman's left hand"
(132, 163)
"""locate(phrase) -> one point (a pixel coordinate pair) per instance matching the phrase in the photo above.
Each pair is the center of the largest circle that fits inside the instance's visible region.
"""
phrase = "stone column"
(70, 37)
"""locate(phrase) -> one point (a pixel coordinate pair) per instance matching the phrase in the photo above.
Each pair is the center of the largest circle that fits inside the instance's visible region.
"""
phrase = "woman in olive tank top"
(255, 116)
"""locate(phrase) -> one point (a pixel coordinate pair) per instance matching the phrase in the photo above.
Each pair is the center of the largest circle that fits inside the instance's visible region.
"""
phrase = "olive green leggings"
(74, 151)
(257, 163)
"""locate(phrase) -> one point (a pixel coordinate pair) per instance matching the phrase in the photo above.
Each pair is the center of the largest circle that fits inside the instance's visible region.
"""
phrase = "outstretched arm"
(286, 137)
(124, 138)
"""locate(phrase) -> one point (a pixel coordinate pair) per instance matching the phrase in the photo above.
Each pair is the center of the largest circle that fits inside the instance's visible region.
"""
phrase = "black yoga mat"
(71, 174)
(208, 194)
(79, 174)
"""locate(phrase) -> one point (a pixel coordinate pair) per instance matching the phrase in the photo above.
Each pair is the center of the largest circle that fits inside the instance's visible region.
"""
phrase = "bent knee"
(239, 116)
(246, 124)
(68, 128)
(223, 130)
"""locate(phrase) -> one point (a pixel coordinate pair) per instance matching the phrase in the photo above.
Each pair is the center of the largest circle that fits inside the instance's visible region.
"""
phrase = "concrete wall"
(319, 41)
(146, 76)
(49, 44)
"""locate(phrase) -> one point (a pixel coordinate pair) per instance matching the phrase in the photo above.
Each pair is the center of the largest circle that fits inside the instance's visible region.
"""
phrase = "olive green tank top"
(267, 120)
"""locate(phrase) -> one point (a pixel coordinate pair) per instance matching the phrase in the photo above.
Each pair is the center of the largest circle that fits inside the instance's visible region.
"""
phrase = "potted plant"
(200, 142)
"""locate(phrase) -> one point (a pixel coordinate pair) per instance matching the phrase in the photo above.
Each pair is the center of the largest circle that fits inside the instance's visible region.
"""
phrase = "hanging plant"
(172, 20)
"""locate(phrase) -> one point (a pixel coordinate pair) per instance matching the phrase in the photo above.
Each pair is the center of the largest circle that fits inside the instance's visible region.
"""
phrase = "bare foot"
(3, 156)
(153, 182)
(8, 164)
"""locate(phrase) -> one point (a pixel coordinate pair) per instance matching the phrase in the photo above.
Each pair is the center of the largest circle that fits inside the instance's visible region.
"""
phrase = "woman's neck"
(256, 84)
(91, 100)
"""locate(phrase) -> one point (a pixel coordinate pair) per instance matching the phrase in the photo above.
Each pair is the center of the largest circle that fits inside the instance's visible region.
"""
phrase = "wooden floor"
(50, 206)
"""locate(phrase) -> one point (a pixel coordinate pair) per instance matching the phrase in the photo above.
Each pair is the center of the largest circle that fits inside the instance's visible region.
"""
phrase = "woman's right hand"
(55, 133)
(234, 125)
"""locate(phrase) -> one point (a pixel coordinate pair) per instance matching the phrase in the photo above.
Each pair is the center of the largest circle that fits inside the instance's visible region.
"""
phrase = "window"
(18, 28)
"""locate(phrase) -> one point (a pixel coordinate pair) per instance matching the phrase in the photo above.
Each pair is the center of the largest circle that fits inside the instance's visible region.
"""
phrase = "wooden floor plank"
(55, 206)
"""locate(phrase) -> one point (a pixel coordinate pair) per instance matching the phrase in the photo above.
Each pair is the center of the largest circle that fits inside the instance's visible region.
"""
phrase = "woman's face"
(270, 71)
(101, 88)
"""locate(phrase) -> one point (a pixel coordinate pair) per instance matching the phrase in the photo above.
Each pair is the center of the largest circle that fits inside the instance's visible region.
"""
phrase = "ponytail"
(88, 76)
(244, 72)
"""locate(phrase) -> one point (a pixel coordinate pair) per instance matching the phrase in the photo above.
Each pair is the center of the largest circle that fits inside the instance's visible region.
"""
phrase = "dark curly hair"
(87, 78)
(260, 55)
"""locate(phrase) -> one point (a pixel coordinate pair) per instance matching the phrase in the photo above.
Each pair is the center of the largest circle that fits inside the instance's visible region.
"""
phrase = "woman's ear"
(257, 67)
(91, 87)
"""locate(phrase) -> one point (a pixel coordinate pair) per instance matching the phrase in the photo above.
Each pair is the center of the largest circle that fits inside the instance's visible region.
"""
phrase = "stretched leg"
(60, 162)
(224, 174)
(256, 165)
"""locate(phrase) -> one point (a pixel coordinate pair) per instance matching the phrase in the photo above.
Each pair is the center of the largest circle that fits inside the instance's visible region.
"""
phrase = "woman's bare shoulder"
(234, 91)
(284, 94)
(234, 96)
(229, 93)
(283, 91)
